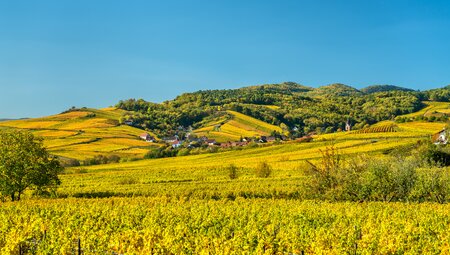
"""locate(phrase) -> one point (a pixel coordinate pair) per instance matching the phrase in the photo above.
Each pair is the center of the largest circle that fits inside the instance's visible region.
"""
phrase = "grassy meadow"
(189, 204)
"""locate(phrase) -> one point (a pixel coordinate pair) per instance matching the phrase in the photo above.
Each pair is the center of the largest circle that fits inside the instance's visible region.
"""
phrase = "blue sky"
(58, 54)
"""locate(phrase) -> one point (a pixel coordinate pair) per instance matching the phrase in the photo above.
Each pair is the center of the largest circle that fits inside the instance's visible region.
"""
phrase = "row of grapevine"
(244, 226)
(378, 129)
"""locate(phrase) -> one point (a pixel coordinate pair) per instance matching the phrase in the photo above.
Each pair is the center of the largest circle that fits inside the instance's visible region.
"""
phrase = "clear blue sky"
(61, 53)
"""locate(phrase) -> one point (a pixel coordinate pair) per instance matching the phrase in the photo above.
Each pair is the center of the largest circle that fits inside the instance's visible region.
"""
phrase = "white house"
(348, 127)
(176, 144)
(148, 138)
(440, 137)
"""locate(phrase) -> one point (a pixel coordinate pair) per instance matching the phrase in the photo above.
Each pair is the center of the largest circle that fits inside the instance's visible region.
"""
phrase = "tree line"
(300, 109)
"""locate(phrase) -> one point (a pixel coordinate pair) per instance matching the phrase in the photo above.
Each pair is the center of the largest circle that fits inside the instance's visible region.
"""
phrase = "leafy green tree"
(26, 164)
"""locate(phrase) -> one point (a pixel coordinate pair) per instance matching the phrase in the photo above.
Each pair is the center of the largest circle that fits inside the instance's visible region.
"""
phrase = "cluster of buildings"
(193, 142)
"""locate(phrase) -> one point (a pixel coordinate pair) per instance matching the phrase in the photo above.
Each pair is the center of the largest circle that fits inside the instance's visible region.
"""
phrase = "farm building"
(129, 122)
(211, 142)
(440, 137)
(170, 139)
(148, 138)
(176, 144)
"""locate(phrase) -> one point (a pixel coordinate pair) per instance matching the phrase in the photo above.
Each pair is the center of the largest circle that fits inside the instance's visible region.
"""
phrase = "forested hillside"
(295, 108)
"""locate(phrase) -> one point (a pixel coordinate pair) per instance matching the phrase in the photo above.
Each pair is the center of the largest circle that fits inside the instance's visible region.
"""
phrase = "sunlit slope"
(205, 175)
(432, 108)
(236, 126)
(85, 133)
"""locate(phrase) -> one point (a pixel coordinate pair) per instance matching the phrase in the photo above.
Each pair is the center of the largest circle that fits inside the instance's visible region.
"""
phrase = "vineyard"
(86, 133)
(378, 129)
(239, 125)
(190, 205)
(243, 226)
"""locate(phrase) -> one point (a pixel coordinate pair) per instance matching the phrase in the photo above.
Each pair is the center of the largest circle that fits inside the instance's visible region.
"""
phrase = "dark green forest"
(297, 108)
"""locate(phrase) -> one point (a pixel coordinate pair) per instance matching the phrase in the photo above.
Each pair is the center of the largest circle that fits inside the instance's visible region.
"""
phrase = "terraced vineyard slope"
(235, 125)
(85, 133)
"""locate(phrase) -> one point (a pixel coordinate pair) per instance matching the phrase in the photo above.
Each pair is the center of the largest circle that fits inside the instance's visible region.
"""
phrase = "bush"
(183, 152)
(323, 176)
(362, 178)
(128, 181)
(433, 184)
(80, 171)
(263, 169)
(162, 152)
(101, 159)
(232, 171)
(434, 155)
(68, 162)
(113, 159)
(388, 180)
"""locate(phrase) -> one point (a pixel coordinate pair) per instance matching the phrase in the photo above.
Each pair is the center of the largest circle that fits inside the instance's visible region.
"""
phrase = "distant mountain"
(383, 88)
(12, 119)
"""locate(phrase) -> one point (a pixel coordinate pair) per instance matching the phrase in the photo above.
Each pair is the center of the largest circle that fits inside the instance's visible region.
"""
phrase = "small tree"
(26, 164)
(263, 169)
(324, 174)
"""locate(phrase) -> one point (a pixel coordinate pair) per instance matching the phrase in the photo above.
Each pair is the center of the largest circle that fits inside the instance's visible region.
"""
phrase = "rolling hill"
(297, 108)
(85, 133)
(383, 88)
(187, 173)
(190, 204)
(235, 125)
(228, 115)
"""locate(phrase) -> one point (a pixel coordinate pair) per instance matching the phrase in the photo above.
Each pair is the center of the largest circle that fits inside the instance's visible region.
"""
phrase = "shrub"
(434, 155)
(113, 159)
(232, 171)
(389, 180)
(263, 169)
(80, 171)
(362, 178)
(68, 162)
(162, 152)
(127, 181)
(433, 184)
(183, 152)
(324, 174)
(101, 159)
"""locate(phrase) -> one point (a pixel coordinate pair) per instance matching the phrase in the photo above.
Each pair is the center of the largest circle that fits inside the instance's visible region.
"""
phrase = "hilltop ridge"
(286, 109)
(295, 108)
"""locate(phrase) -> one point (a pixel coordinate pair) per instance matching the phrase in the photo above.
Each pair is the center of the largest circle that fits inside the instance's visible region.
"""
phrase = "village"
(192, 141)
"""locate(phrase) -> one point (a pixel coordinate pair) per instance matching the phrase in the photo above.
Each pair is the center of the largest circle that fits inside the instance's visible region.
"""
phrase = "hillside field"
(239, 125)
(189, 204)
(86, 133)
